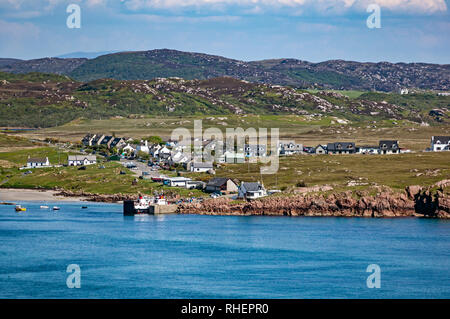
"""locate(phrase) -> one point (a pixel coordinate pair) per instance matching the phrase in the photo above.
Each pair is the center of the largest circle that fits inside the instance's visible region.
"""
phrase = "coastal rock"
(412, 202)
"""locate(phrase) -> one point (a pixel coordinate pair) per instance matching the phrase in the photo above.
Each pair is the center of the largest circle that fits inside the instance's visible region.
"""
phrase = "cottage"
(341, 148)
(128, 149)
(33, 162)
(289, 148)
(221, 185)
(195, 185)
(251, 190)
(255, 150)
(201, 167)
(97, 139)
(320, 149)
(117, 142)
(440, 143)
(389, 147)
(76, 160)
(107, 141)
(234, 157)
(367, 149)
(87, 140)
(143, 148)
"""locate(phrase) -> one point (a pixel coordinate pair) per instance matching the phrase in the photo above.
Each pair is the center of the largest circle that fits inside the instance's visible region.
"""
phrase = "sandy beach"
(15, 195)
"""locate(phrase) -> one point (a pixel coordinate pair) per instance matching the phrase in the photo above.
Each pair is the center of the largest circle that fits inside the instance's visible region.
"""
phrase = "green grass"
(396, 171)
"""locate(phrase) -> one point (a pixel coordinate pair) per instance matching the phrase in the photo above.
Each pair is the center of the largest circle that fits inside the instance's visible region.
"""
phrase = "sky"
(312, 30)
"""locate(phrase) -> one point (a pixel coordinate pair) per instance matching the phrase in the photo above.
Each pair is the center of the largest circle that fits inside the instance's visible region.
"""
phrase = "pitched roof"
(202, 165)
(440, 139)
(82, 157)
(217, 181)
(37, 160)
(339, 146)
(388, 145)
(252, 186)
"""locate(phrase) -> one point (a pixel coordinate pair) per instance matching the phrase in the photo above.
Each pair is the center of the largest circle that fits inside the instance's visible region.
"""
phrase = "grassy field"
(94, 179)
(307, 130)
(396, 171)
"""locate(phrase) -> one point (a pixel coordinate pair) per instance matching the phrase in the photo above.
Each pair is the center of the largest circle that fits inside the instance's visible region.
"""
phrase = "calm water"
(217, 257)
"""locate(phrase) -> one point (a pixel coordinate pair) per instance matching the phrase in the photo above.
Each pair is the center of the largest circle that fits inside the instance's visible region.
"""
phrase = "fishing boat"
(84, 207)
(147, 205)
(56, 208)
(43, 207)
(20, 208)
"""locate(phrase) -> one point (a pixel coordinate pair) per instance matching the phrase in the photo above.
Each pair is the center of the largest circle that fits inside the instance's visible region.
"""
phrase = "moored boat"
(148, 205)
(56, 208)
(19, 208)
(43, 207)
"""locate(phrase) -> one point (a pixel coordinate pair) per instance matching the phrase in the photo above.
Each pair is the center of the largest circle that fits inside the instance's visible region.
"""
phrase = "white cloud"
(421, 6)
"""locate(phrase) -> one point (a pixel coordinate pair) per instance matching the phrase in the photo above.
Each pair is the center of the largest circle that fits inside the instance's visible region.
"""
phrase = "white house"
(177, 181)
(143, 148)
(128, 149)
(440, 143)
(251, 190)
(33, 162)
(201, 167)
(76, 160)
(289, 148)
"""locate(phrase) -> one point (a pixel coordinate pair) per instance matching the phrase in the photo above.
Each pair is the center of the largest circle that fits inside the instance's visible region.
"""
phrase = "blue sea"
(192, 256)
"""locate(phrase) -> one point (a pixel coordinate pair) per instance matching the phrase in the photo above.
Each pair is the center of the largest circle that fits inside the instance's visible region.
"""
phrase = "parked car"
(82, 168)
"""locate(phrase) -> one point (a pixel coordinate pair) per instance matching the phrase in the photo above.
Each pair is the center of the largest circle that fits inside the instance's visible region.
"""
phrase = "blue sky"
(313, 30)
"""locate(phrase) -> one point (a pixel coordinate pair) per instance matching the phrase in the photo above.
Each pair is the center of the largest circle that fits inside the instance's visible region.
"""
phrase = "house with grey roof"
(440, 143)
(77, 160)
(201, 167)
(221, 185)
(341, 148)
(251, 190)
(33, 162)
(388, 147)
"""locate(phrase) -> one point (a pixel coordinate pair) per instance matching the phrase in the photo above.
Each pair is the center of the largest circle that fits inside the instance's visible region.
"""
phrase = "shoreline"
(36, 195)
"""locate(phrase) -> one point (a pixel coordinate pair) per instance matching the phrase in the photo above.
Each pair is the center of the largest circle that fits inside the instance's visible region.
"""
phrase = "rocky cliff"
(414, 201)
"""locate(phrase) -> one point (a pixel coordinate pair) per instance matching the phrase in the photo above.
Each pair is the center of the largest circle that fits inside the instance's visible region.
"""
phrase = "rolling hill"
(45, 100)
(334, 74)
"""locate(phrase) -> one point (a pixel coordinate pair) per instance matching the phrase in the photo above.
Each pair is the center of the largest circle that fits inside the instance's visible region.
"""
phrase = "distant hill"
(334, 74)
(44, 100)
(6, 61)
(44, 65)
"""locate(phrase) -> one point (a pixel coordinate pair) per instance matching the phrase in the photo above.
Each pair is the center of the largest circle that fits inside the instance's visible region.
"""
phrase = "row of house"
(72, 160)
(383, 147)
(107, 140)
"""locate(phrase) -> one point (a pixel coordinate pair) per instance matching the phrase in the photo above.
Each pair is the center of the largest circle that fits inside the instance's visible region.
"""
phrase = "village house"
(201, 167)
(289, 148)
(128, 149)
(221, 185)
(97, 139)
(341, 148)
(34, 162)
(389, 147)
(107, 141)
(440, 143)
(117, 142)
(251, 190)
(320, 149)
(195, 185)
(232, 158)
(368, 149)
(255, 150)
(87, 140)
(76, 160)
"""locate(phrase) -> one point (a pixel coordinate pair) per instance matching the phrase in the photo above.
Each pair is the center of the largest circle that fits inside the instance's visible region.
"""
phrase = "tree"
(155, 139)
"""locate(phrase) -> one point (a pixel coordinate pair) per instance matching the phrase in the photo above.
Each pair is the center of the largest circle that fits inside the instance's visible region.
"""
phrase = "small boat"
(84, 207)
(20, 208)
(44, 207)
(56, 208)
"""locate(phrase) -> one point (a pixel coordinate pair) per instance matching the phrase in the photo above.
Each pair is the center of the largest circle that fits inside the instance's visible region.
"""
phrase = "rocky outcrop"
(113, 198)
(414, 201)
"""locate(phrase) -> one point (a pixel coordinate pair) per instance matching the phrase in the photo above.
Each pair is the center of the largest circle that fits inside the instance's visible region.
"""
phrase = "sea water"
(194, 256)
